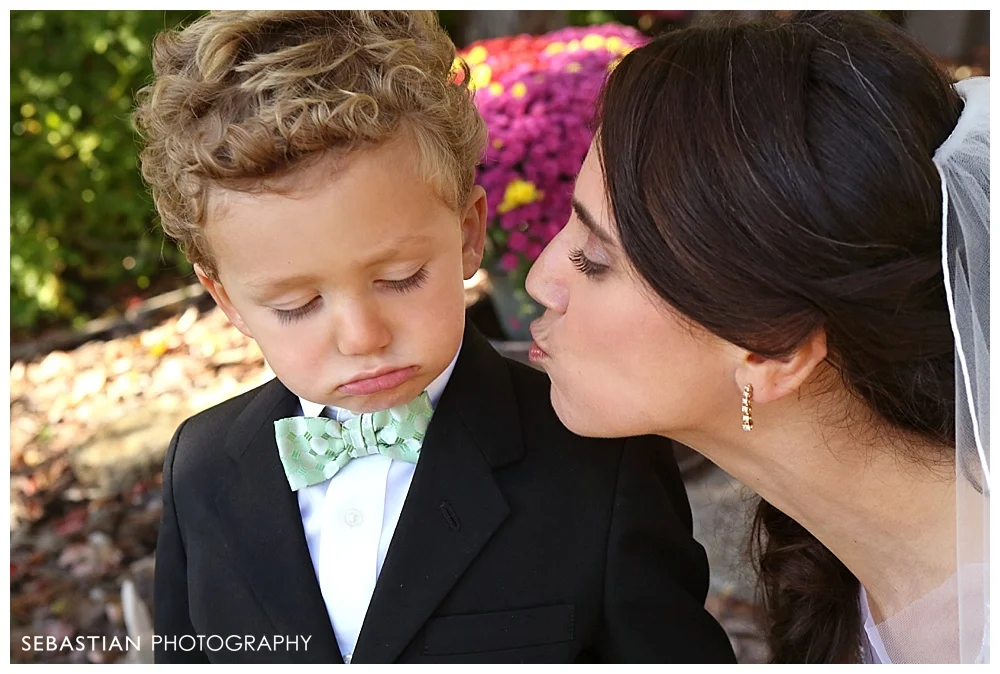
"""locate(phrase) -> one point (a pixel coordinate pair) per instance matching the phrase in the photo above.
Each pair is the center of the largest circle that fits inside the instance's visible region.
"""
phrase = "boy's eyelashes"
(289, 315)
(413, 282)
(409, 283)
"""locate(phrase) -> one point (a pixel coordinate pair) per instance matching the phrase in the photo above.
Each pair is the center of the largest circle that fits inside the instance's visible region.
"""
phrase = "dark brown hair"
(772, 178)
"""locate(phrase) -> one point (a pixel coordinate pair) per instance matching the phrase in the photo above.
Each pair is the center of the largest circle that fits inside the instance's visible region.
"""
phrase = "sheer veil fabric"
(951, 623)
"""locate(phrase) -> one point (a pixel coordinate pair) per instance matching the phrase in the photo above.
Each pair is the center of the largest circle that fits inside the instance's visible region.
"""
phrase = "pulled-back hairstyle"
(775, 177)
(242, 98)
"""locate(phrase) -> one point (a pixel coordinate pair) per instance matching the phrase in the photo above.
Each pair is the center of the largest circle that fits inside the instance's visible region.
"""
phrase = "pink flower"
(511, 220)
(532, 213)
(509, 262)
(537, 95)
(518, 242)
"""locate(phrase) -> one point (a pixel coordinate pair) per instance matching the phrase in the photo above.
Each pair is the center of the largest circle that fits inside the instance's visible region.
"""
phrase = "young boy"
(400, 493)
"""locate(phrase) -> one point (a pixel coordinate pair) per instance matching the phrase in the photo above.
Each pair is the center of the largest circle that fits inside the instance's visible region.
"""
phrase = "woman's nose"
(545, 283)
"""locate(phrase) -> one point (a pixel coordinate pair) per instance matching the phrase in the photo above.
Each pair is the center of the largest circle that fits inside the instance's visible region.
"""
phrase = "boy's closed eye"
(290, 315)
(409, 283)
(412, 282)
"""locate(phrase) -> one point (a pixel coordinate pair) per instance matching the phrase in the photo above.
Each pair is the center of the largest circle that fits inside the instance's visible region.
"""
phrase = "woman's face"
(621, 361)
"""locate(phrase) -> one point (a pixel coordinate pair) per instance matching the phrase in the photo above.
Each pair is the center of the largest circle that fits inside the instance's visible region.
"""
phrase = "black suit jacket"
(518, 541)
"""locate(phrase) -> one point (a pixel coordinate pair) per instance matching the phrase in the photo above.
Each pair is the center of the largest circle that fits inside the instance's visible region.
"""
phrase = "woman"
(754, 268)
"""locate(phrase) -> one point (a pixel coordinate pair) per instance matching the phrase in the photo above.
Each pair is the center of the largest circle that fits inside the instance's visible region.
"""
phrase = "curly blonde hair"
(243, 98)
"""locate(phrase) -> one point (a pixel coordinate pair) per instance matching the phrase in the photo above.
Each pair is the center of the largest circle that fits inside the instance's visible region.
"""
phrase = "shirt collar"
(434, 390)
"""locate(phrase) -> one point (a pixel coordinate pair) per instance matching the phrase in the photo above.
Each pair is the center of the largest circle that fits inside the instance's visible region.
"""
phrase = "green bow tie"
(313, 449)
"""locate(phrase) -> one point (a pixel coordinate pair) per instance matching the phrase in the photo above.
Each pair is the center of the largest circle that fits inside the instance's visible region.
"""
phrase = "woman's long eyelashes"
(585, 265)
(407, 284)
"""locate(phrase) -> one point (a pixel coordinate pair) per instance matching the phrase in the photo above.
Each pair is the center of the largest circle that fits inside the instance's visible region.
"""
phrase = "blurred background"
(113, 343)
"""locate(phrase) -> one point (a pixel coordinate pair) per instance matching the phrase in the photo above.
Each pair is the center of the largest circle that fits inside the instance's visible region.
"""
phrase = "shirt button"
(354, 518)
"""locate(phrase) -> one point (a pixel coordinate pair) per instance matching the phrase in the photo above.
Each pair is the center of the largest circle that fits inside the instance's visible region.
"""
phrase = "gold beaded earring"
(748, 407)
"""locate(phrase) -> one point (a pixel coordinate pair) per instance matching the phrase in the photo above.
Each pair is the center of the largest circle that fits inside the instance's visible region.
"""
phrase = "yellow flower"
(573, 67)
(592, 42)
(614, 43)
(624, 53)
(518, 90)
(476, 55)
(496, 88)
(481, 75)
(497, 144)
(554, 48)
(518, 193)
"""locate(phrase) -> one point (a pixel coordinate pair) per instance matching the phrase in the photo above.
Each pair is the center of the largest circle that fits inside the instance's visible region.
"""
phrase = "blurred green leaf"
(78, 204)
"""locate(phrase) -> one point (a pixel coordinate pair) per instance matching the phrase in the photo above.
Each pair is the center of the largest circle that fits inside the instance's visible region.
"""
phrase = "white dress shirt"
(349, 521)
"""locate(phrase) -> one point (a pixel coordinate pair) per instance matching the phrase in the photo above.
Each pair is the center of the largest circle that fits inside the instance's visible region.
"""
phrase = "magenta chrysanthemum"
(538, 95)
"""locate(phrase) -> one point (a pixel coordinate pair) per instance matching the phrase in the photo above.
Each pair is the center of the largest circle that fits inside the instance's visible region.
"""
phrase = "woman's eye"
(585, 265)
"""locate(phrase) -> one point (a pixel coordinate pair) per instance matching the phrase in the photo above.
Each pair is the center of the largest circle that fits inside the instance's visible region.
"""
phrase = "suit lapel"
(263, 525)
(453, 506)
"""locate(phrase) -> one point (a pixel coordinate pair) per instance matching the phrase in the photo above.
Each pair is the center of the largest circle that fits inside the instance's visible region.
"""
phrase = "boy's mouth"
(376, 381)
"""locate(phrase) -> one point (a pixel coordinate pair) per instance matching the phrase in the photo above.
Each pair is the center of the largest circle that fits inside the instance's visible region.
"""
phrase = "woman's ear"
(774, 378)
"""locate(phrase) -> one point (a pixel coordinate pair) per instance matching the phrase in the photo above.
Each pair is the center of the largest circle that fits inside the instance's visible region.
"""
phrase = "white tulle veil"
(951, 624)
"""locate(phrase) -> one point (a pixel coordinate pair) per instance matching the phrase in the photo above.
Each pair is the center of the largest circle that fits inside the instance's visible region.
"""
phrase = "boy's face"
(350, 283)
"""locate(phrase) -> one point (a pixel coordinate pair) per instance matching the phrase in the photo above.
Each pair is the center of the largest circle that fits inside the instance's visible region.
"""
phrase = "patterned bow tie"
(313, 449)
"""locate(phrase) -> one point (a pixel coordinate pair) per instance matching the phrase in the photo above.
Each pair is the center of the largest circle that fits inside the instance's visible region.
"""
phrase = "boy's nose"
(361, 332)
(543, 282)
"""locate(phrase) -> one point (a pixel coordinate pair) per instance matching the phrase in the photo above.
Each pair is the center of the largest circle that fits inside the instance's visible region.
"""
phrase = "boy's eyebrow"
(393, 248)
(590, 223)
(381, 254)
(262, 285)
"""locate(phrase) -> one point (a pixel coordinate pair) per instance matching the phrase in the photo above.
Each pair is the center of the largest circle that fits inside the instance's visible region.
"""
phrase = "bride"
(779, 257)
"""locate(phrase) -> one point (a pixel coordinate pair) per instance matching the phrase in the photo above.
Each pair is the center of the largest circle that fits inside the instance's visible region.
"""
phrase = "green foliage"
(82, 223)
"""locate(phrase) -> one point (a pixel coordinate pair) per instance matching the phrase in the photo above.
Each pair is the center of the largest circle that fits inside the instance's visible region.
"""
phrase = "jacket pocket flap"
(477, 632)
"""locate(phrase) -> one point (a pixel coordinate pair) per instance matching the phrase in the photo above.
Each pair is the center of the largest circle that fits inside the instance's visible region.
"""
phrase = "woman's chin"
(582, 420)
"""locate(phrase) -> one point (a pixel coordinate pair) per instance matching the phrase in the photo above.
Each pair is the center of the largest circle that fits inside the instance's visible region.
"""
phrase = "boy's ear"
(221, 297)
(473, 231)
